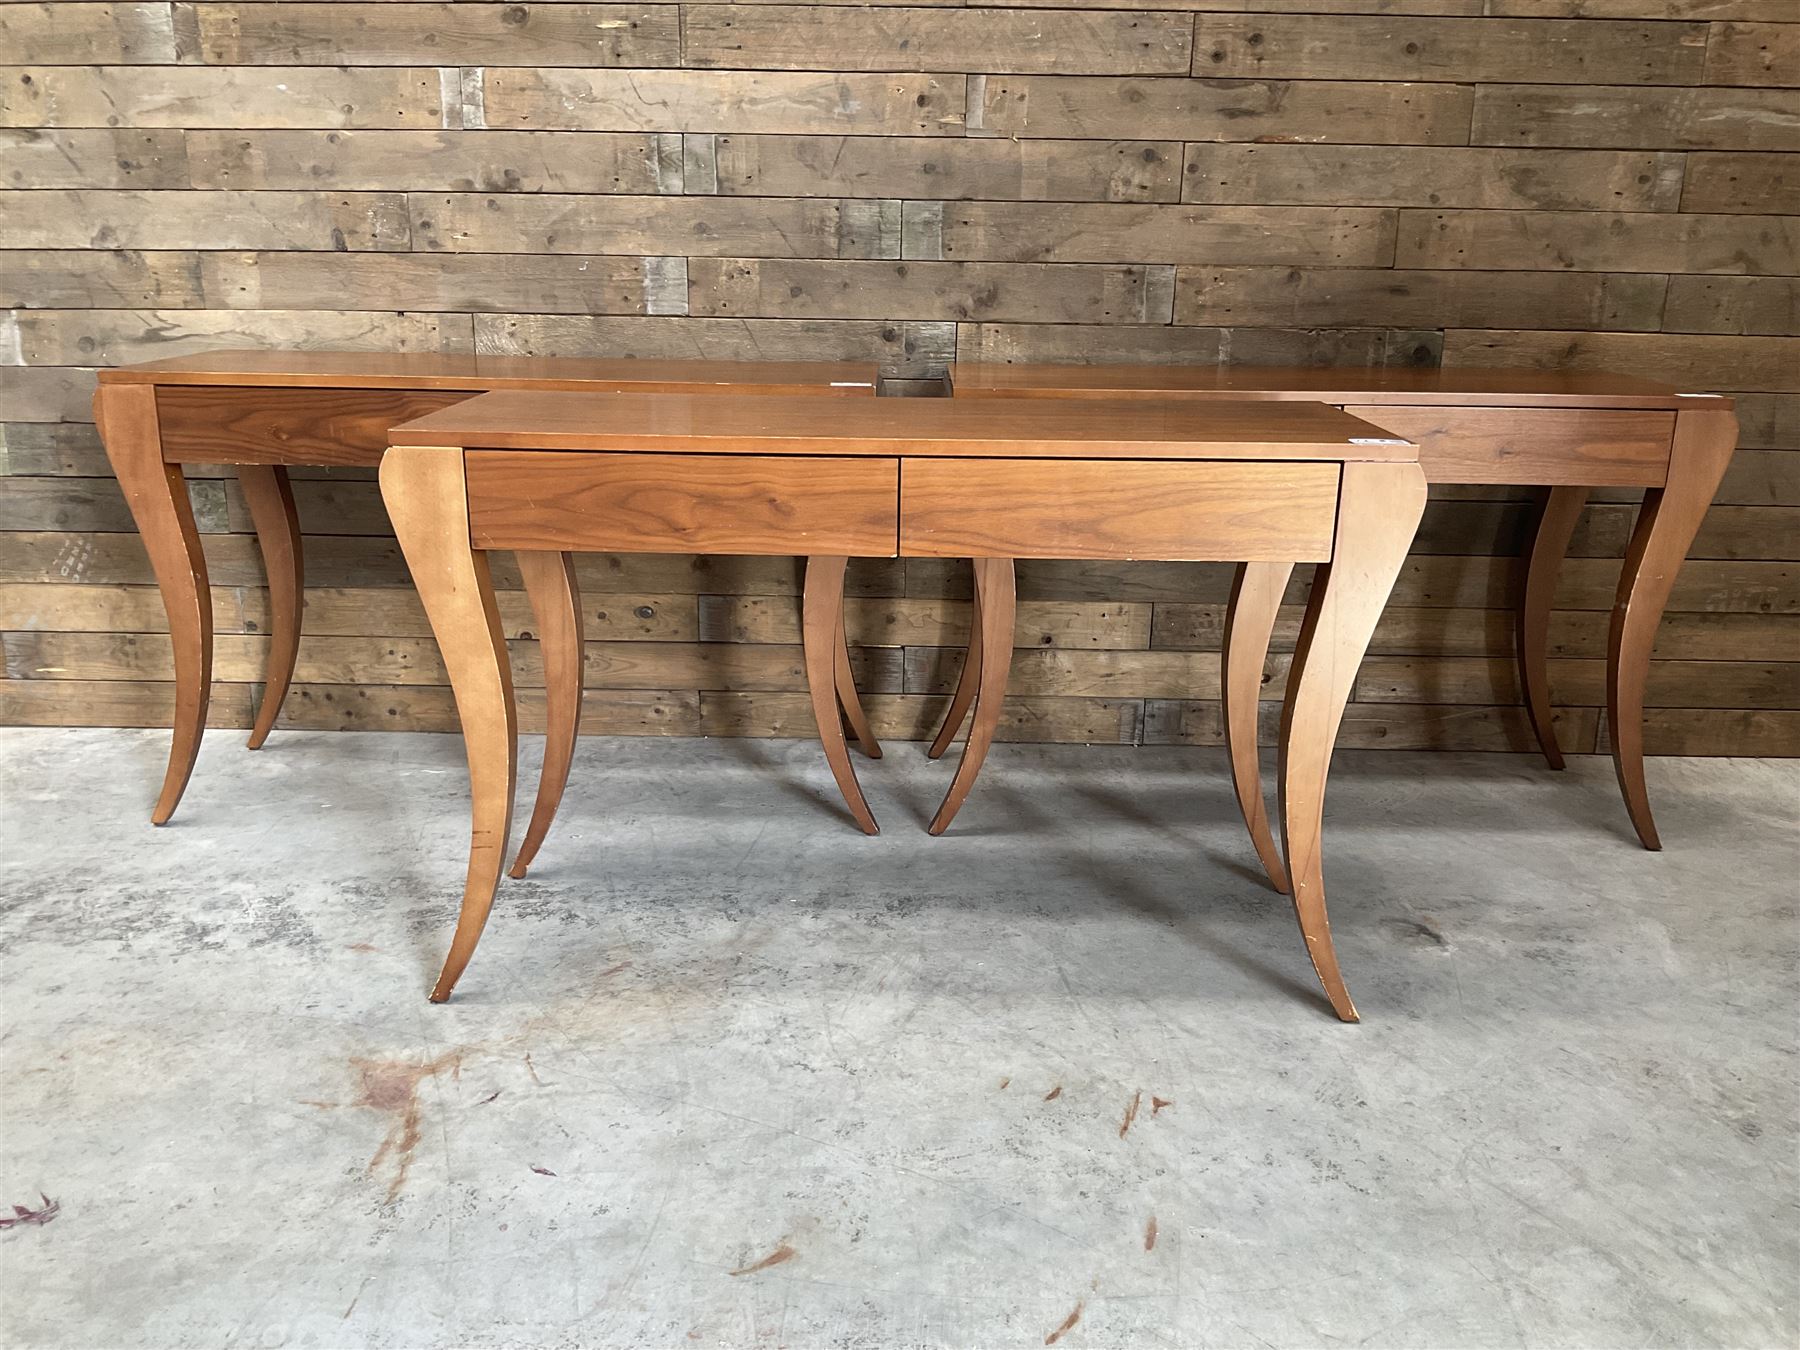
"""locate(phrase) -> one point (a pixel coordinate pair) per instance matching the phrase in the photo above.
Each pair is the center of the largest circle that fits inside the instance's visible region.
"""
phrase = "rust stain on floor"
(774, 1258)
(1068, 1324)
(1150, 1234)
(1157, 1104)
(24, 1214)
(392, 1087)
(1053, 1093)
(1131, 1111)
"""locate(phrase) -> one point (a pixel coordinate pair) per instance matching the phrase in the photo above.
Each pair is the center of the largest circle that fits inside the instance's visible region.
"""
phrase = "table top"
(432, 370)
(750, 424)
(1350, 384)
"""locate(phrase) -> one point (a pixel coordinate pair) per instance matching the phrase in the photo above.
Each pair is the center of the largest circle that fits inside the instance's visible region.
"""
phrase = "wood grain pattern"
(1222, 110)
(1111, 509)
(651, 504)
(430, 161)
(205, 424)
(768, 102)
(1489, 50)
(1533, 446)
(193, 96)
(1437, 176)
(405, 34)
(931, 167)
(791, 37)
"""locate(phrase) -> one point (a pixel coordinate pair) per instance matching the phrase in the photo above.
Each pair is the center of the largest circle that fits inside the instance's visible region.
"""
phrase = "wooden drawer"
(1212, 511)
(633, 503)
(208, 424)
(1578, 447)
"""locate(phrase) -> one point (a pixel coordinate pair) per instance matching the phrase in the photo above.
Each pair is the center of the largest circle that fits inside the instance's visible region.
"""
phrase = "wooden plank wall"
(1599, 184)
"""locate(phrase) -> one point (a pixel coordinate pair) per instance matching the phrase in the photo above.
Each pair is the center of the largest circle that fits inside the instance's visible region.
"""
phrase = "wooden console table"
(262, 411)
(562, 472)
(1567, 433)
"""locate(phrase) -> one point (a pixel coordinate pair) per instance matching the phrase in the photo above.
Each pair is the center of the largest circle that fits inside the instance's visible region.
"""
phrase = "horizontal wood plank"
(433, 161)
(1221, 110)
(704, 227)
(238, 96)
(1429, 175)
(804, 37)
(1329, 297)
(763, 102)
(1590, 242)
(1756, 184)
(1485, 50)
(1015, 232)
(404, 34)
(1626, 117)
(452, 283)
(1770, 363)
(89, 33)
(33, 157)
(81, 218)
(933, 167)
(1019, 292)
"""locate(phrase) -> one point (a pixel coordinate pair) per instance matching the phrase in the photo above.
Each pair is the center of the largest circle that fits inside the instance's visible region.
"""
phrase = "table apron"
(1545, 447)
(650, 503)
(1197, 511)
(207, 424)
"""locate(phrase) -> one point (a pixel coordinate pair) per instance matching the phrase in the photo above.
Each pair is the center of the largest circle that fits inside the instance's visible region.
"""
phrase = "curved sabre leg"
(1249, 624)
(1378, 511)
(556, 606)
(1704, 441)
(849, 700)
(821, 626)
(271, 501)
(1558, 515)
(966, 685)
(157, 495)
(995, 587)
(427, 500)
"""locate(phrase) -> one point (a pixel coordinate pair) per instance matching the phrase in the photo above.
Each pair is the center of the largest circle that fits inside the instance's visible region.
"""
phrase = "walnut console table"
(1567, 433)
(263, 411)
(562, 472)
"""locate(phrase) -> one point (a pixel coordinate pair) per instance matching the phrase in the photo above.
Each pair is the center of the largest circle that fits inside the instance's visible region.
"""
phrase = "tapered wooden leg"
(1249, 624)
(157, 495)
(427, 500)
(1671, 516)
(996, 595)
(1558, 513)
(556, 605)
(850, 700)
(271, 503)
(821, 627)
(966, 684)
(1379, 506)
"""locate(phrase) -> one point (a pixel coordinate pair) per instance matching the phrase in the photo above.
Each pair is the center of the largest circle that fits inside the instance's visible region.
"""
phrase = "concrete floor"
(725, 1072)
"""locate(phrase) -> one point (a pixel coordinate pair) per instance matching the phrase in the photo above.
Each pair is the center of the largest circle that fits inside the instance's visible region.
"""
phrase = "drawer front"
(207, 424)
(1213, 511)
(629, 503)
(1540, 446)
